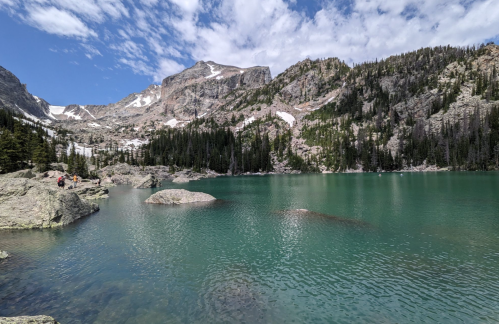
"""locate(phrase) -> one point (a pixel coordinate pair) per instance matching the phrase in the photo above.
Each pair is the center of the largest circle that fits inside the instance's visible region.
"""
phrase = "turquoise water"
(394, 249)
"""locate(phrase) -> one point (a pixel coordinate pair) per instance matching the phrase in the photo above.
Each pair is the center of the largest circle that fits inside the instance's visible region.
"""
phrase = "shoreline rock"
(40, 319)
(149, 181)
(3, 255)
(27, 204)
(178, 196)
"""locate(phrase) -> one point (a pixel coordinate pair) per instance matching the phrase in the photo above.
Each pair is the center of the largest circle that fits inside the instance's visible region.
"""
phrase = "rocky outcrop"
(178, 196)
(185, 176)
(149, 181)
(26, 203)
(40, 319)
(28, 174)
(3, 255)
(125, 174)
(92, 192)
(183, 179)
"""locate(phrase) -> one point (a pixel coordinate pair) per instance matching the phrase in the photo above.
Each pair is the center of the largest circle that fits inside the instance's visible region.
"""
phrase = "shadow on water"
(331, 218)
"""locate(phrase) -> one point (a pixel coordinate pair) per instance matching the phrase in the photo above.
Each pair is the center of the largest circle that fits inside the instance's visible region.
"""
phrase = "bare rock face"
(178, 196)
(149, 181)
(40, 319)
(203, 86)
(14, 96)
(26, 204)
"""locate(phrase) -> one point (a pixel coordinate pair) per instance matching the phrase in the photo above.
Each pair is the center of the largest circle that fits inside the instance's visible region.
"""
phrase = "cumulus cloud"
(152, 37)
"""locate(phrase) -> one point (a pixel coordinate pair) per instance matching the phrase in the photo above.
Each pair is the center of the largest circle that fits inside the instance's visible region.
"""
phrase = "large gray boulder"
(26, 203)
(178, 196)
(40, 319)
(149, 181)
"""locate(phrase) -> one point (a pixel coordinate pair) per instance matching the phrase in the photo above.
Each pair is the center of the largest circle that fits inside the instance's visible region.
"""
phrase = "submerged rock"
(40, 319)
(3, 255)
(309, 213)
(149, 181)
(178, 196)
(28, 204)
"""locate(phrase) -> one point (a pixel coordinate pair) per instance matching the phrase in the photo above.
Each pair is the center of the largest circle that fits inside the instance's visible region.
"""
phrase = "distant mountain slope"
(15, 97)
(430, 106)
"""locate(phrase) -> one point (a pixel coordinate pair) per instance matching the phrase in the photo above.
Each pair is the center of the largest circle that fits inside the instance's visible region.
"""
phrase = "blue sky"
(99, 51)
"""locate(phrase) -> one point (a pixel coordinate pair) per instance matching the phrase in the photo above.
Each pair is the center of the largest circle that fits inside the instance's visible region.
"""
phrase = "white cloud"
(59, 22)
(148, 36)
(91, 51)
(167, 67)
(260, 32)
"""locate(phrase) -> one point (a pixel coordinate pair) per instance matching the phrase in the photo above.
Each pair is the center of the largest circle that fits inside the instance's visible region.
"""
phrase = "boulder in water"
(178, 196)
(26, 203)
(3, 255)
(149, 181)
(40, 319)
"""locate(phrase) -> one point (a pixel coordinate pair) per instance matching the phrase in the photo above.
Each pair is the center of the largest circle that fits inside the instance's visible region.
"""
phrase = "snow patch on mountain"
(288, 118)
(71, 114)
(248, 121)
(86, 151)
(137, 103)
(172, 122)
(213, 72)
(131, 144)
(83, 107)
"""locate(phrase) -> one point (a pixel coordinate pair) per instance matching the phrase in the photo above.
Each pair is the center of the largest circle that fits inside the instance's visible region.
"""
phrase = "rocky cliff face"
(15, 97)
(202, 88)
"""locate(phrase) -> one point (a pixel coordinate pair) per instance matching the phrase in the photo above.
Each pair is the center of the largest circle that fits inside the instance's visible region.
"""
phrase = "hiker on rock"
(60, 182)
(75, 180)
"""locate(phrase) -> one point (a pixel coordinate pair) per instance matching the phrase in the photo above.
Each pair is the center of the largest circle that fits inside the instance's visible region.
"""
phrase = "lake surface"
(395, 249)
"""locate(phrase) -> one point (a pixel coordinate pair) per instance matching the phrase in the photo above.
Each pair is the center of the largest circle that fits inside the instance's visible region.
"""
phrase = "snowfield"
(288, 118)
(30, 116)
(248, 121)
(137, 103)
(172, 122)
(135, 143)
(71, 114)
(213, 72)
(88, 112)
(93, 125)
(86, 151)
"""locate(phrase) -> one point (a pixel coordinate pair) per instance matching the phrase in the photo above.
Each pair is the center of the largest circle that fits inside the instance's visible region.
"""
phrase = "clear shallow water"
(417, 248)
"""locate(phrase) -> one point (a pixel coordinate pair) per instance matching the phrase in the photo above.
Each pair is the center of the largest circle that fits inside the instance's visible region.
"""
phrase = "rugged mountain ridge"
(322, 106)
(15, 97)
